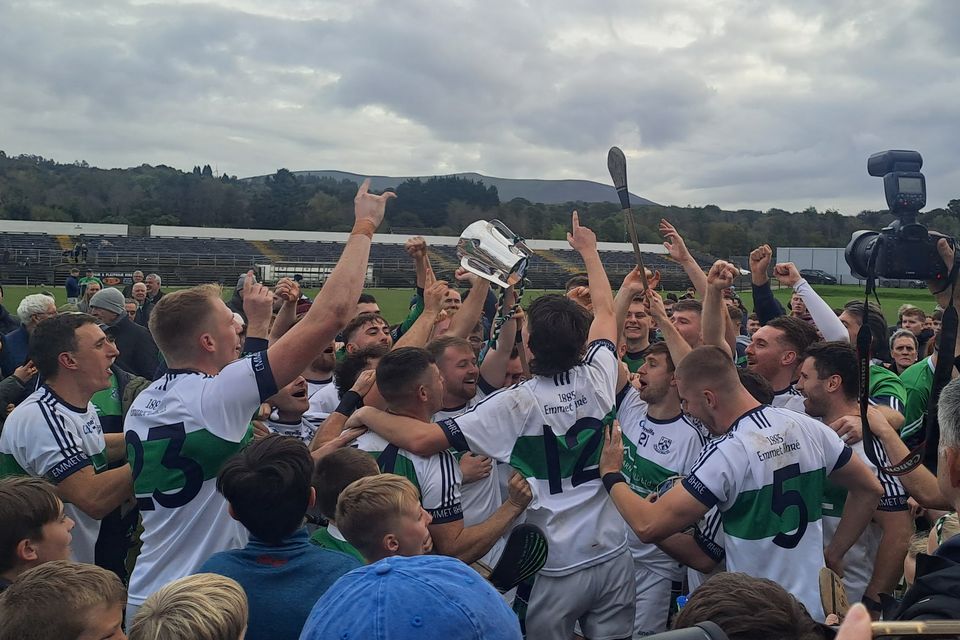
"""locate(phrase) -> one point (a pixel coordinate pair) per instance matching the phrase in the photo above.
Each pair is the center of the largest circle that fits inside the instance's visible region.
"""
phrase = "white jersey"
(436, 477)
(654, 452)
(179, 431)
(47, 437)
(767, 477)
(303, 430)
(859, 561)
(481, 498)
(324, 400)
(789, 398)
(550, 429)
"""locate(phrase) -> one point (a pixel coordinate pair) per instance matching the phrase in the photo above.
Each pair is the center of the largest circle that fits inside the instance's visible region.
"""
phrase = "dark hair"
(753, 316)
(346, 372)
(360, 321)
(736, 314)
(798, 333)
(335, 471)
(688, 304)
(26, 504)
(558, 334)
(672, 297)
(366, 298)
(937, 315)
(837, 358)
(732, 601)
(579, 280)
(758, 386)
(661, 348)
(268, 486)
(54, 336)
(400, 371)
(878, 328)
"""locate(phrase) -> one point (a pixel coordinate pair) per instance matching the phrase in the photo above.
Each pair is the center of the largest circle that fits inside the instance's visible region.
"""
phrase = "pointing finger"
(364, 187)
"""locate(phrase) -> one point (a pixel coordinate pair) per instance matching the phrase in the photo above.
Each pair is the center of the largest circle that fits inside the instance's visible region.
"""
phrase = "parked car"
(817, 276)
(903, 284)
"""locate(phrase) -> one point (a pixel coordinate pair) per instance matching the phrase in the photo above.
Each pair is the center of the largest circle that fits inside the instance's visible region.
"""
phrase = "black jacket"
(935, 594)
(138, 351)
(8, 322)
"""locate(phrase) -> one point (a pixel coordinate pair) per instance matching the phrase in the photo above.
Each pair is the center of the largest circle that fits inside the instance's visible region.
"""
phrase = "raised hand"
(288, 290)
(581, 238)
(257, 301)
(940, 288)
(655, 304)
(364, 382)
(787, 274)
(369, 207)
(759, 263)
(675, 245)
(433, 297)
(415, 247)
(633, 282)
(721, 275)
(581, 295)
(462, 275)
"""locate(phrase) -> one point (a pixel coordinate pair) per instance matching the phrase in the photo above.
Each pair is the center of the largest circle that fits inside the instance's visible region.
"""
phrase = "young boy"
(33, 527)
(267, 487)
(334, 473)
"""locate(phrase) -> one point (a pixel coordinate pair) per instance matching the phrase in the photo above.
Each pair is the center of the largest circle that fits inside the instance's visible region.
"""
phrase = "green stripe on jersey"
(198, 447)
(751, 517)
(10, 467)
(403, 467)
(529, 455)
(99, 461)
(834, 498)
(644, 476)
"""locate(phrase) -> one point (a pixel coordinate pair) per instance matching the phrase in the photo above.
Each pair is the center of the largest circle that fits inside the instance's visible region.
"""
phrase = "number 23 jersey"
(550, 429)
(179, 432)
(767, 477)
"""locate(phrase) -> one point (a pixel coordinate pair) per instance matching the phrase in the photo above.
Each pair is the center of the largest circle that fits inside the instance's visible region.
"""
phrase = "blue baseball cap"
(407, 598)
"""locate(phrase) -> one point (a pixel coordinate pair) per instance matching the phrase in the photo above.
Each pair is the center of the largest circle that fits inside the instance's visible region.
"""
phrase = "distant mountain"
(543, 191)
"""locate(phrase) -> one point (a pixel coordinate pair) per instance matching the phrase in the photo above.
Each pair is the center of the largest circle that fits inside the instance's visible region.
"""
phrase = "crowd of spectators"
(595, 464)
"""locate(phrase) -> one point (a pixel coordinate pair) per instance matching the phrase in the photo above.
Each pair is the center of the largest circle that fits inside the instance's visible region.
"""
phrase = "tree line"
(37, 188)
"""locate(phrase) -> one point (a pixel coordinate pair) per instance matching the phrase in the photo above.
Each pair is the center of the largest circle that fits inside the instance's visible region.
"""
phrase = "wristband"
(349, 403)
(363, 228)
(611, 479)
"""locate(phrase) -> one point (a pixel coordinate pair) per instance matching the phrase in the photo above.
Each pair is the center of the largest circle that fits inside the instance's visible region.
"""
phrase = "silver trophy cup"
(493, 252)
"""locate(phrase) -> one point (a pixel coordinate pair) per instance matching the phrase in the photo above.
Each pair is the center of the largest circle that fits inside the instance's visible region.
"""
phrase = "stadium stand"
(37, 257)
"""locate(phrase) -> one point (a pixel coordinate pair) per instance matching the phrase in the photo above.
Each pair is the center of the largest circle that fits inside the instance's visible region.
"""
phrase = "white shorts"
(653, 602)
(601, 597)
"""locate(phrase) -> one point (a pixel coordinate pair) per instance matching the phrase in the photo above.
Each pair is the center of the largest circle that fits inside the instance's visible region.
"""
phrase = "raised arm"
(677, 249)
(764, 304)
(418, 335)
(493, 369)
(337, 301)
(470, 311)
(679, 348)
(631, 287)
(289, 291)
(715, 316)
(823, 316)
(584, 241)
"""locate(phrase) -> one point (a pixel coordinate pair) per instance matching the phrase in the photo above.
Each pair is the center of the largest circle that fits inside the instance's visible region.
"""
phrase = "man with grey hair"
(33, 309)
(138, 292)
(137, 277)
(153, 296)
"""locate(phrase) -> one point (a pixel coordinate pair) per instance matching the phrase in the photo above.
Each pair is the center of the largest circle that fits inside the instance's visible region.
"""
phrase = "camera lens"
(857, 253)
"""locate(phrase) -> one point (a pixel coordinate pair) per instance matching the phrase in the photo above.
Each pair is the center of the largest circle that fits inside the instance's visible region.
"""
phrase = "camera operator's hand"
(939, 289)
(722, 274)
(787, 274)
(759, 263)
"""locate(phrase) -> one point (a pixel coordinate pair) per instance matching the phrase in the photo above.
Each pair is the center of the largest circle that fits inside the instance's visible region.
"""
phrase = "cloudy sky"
(739, 103)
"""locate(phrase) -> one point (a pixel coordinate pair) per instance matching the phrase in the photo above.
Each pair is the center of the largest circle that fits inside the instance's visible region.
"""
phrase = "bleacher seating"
(185, 261)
